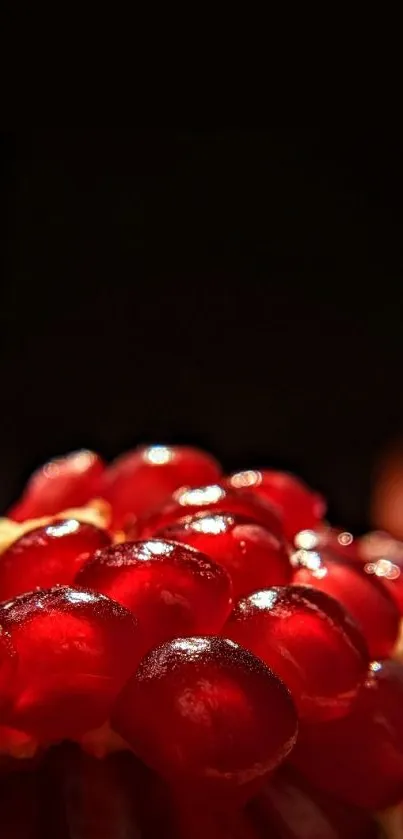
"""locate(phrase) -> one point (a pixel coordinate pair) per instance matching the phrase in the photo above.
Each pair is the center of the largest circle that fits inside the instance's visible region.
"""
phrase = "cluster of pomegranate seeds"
(172, 589)
(310, 641)
(253, 556)
(48, 556)
(75, 649)
(219, 629)
(227, 720)
(140, 480)
(62, 483)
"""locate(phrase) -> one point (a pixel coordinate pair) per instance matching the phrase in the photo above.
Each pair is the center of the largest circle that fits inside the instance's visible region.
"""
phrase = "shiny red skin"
(289, 808)
(301, 508)
(76, 649)
(308, 639)
(206, 712)
(209, 499)
(364, 597)
(143, 479)
(171, 588)
(359, 759)
(48, 556)
(63, 483)
(253, 557)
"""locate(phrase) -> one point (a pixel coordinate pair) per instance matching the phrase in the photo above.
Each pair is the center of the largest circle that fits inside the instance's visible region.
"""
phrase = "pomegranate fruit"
(230, 719)
(64, 482)
(310, 641)
(48, 556)
(171, 588)
(182, 664)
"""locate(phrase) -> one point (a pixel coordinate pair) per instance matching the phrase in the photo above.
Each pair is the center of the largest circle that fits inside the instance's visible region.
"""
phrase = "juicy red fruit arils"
(49, 555)
(360, 758)
(141, 480)
(310, 641)
(213, 498)
(171, 588)
(253, 557)
(62, 483)
(205, 711)
(76, 649)
(363, 596)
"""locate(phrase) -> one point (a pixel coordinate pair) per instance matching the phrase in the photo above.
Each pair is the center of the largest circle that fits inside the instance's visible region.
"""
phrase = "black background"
(239, 290)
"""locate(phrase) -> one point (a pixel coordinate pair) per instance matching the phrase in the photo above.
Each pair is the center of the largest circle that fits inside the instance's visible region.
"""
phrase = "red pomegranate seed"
(363, 596)
(289, 808)
(209, 499)
(64, 482)
(171, 588)
(309, 640)
(141, 480)
(301, 508)
(229, 719)
(48, 556)
(76, 649)
(360, 757)
(253, 557)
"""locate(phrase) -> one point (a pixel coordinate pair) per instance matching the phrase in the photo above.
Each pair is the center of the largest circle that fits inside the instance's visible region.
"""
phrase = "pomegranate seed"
(141, 480)
(209, 499)
(363, 596)
(171, 588)
(48, 555)
(76, 649)
(230, 719)
(301, 508)
(64, 482)
(253, 556)
(309, 640)
(360, 758)
(289, 808)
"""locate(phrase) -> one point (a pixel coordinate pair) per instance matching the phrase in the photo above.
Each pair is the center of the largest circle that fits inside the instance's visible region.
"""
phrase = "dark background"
(237, 290)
